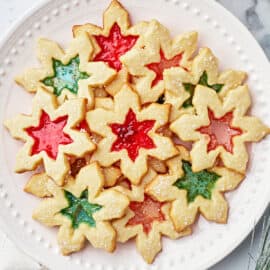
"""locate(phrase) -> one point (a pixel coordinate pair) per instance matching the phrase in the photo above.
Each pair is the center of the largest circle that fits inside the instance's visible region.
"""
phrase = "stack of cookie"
(133, 133)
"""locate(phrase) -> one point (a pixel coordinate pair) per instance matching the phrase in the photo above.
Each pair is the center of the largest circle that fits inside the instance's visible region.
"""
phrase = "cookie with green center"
(67, 74)
(146, 219)
(50, 135)
(194, 192)
(220, 128)
(180, 84)
(83, 210)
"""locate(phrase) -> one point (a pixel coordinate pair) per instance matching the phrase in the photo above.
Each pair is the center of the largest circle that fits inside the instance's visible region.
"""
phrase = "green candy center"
(190, 88)
(199, 183)
(79, 210)
(66, 76)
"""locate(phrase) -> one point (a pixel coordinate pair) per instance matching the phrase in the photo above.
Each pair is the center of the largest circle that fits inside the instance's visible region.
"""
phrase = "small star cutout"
(220, 131)
(146, 213)
(132, 135)
(79, 210)
(48, 135)
(163, 64)
(199, 183)
(114, 46)
(66, 76)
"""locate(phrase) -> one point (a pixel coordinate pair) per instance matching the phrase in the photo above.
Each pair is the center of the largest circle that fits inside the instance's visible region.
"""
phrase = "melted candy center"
(132, 135)
(163, 64)
(145, 213)
(114, 46)
(48, 135)
(220, 131)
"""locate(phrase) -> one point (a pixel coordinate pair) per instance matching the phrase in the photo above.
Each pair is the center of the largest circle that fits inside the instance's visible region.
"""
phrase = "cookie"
(50, 135)
(111, 42)
(129, 134)
(180, 83)
(135, 192)
(220, 128)
(156, 54)
(67, 74)
(146, 219)
(82, 210)
(194, 193)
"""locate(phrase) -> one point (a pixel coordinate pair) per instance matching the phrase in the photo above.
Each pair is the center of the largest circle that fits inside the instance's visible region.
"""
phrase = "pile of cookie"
(133, 133)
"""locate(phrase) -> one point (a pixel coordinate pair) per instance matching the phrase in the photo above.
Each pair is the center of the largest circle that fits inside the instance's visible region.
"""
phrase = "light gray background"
(255, 15)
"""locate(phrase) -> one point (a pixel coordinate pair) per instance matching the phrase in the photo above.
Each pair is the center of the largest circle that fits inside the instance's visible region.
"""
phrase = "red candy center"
(146, 213)
(132, 135)
(83, 127)
(220, 131)
(164, 63)
(48, 135)
(114, 46)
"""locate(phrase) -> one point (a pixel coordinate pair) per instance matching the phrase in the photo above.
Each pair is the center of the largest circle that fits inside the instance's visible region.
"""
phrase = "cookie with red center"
(50, 135)
(156, 54)
(67, 74)
(83, 210)
(220, 128)
(147, 219)
(114, 40)
(129, 134)
(180, 84)
(194, 192)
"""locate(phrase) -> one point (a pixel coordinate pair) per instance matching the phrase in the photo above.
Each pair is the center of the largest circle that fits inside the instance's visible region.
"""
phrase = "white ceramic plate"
(234, 46)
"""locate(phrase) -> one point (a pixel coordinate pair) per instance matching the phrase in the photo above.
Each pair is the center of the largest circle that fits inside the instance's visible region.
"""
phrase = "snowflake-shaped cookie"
(50, 135)
(193, 192)
(146, 219)
(112, 41)
(83, 210)
(156, 54)
(129, 134)
(220, 128)
(67, 74)
(180, 84)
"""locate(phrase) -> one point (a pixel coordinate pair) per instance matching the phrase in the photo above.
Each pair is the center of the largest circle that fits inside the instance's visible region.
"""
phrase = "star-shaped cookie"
(67, 74)
(220, 128)
(156, 54)
(129, 134)
(83, 210)
(194, 192)
(112, 41)
(147, 219)
(50, 135)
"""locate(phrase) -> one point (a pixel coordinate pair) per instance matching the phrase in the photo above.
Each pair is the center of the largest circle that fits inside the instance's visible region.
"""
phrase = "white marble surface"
(255, 15)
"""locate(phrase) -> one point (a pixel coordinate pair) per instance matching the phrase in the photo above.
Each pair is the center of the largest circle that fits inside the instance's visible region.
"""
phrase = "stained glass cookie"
(194, 192)
(50, 135)
(129, 134)
(82, 210)
(67, 74)
(156, 54)
(111, 41)
(147, 219)
(220, 128)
